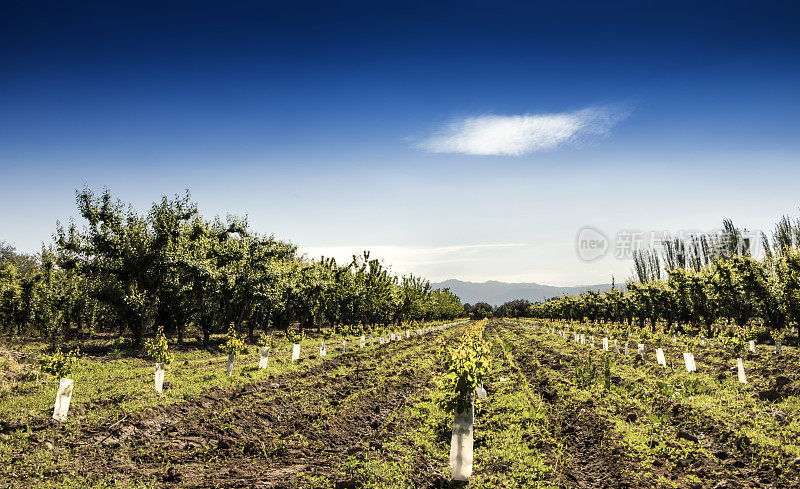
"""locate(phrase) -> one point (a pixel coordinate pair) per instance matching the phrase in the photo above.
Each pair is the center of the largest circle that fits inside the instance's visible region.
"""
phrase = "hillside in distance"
(497, 293)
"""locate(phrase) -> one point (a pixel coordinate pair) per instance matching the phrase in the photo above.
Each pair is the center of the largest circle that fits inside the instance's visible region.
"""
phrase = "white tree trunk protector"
(583, 339)
(461, 445)
(660, 357)
(380, 339)
(777, 348)
(616, 346)
(626, 348)
(408, 334)
(480, 392)
(752, 345)
(322, 351)
(362, 342)
(159, 378)
(640, 350)
(230, 364)
(577, 338)
(371, 343)
(688, 359)
(740, 371)
(63, 396)
(264, 359)
(295, 353)
(344, 344)
(591, 340)
(391, 335)
(703, 341)
(605, 344)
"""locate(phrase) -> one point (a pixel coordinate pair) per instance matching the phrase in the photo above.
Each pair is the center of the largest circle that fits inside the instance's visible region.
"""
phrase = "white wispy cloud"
(515, 135)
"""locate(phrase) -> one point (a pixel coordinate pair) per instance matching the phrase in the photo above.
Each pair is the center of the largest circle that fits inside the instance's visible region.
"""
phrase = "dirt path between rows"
(587, 438)
(268, 434)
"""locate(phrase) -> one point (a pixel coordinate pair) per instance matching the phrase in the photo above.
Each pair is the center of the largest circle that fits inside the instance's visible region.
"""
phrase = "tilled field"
(642, 432)
(558, 414)
(285, 431)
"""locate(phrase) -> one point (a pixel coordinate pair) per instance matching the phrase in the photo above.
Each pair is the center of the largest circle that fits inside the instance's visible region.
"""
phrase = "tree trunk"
(206, 334)
(180, 325)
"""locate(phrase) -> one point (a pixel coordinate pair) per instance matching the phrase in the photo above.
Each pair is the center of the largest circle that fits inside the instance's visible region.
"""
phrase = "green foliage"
(734, 344)
(233, 345)
(266, 341)
(778, 335)
(158, 348)
(607, 364)
(585, 374)
(467, 365)
(59, 365)
(118, 269)
(294, 336)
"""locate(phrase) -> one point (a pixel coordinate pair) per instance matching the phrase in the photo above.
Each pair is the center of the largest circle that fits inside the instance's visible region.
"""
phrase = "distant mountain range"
(497, 293)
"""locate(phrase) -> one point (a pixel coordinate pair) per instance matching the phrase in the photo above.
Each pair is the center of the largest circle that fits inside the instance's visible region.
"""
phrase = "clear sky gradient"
(467, 140)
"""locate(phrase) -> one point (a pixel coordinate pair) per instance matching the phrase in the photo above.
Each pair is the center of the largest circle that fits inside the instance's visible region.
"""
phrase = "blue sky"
(465, 140)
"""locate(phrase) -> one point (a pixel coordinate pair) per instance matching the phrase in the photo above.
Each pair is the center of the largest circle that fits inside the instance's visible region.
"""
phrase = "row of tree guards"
(233, 347)
(688, 357)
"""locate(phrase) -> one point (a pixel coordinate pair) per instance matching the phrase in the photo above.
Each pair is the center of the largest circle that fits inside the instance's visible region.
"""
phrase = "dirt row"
(585, 436)
(274, 433)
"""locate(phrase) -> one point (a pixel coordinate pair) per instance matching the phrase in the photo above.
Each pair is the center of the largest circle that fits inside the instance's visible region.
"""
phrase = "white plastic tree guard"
(605, 344)
(591, 341)
(688, 360)
(626, 348)
(159, 378)
(740, 371)
(295, 353)
(777, 348)
(371, 342)
(640, 350)
(344, 345)
(63, 396)
(480, 392)
(660, 357)
(229, 368)
(461, 445)
(616, 346)
(362, 342)
(752, 346)
(322, 351)
(263, 360)
(583, 339)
